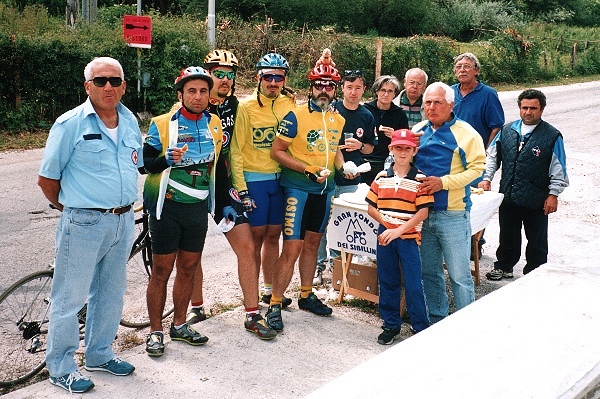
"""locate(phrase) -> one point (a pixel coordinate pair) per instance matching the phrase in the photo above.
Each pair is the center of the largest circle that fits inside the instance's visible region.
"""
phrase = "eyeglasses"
(384, 91)
(414, 83)
(220, 74)
(100, 81)
(353, 74)
(463, 66)
(324, 86)
(272, 77)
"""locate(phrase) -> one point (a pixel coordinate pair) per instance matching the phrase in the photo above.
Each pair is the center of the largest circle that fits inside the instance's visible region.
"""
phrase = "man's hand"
(175, 154)
(316, 173)
(351, 145)
(247, 201)
(551, 204)
(430, 184)
(485, 184)
(418, 137)
(229, 213)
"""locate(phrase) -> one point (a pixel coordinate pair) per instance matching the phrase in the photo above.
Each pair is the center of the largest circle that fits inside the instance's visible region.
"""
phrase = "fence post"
(378, 59)
(573, 55)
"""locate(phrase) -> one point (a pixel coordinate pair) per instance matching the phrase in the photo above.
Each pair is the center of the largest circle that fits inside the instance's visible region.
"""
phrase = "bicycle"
(25, 310)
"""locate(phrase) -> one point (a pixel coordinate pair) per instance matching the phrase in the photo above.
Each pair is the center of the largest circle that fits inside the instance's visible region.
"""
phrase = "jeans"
(446, 236)
(400, 258)
(333, 253)
(91, 256)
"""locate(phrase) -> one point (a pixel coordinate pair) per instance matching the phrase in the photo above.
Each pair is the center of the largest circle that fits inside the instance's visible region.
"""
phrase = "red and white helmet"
(324, 72)
(192, 72)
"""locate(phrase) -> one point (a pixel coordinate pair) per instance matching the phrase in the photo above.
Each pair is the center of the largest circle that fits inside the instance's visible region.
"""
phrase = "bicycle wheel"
(24, 316)
(139, 266)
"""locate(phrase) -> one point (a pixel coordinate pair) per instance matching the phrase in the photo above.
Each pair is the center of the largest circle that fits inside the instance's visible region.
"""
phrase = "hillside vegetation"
(42, 61)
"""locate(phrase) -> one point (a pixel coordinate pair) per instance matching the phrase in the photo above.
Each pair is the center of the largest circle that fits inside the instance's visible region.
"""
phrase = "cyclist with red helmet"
(307, 149)
(181, 149)
(222, 65)
(255, 174)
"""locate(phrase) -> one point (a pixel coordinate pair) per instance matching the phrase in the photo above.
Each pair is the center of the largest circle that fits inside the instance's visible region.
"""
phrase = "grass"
(22, 140)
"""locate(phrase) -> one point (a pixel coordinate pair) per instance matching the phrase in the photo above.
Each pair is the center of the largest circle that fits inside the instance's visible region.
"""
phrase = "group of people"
(268, 167)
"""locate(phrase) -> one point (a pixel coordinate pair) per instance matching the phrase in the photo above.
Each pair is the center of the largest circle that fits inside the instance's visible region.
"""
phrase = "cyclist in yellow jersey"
(229, 211)
(255, 174)
(307, 148)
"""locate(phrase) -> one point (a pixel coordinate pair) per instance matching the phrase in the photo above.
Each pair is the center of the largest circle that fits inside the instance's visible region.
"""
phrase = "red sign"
(137, 31)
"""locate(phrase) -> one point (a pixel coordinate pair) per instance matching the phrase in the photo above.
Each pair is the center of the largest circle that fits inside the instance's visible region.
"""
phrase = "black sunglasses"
(269, 77)
(100, 81)
(353, 74)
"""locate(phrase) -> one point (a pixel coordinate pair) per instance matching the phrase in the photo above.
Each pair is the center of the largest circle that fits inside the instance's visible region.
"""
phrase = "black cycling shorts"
(181, 226)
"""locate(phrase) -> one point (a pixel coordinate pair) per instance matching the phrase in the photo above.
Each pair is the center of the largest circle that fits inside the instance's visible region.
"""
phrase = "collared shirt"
(481, 109)
(414, 112)
(94, 171)
(454, 152)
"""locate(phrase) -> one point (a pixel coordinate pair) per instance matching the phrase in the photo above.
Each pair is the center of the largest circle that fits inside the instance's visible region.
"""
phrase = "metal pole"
(211, 24)
(139, 55)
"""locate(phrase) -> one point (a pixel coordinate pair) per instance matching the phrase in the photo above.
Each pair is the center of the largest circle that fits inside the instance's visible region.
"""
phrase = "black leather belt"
(116, 211)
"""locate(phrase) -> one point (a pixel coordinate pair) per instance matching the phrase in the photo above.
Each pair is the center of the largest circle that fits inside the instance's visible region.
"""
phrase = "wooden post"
(573, 55)
(378, 59)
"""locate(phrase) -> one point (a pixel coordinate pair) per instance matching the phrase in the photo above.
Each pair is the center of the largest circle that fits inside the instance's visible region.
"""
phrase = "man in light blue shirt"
(89, 171)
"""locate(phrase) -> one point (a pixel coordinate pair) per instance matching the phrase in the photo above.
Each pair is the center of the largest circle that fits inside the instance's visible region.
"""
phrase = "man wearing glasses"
(411, 98)
(477, 104)
(255, 174)
(222, 66)
(89, 171)
(307, 148)
(359, 139)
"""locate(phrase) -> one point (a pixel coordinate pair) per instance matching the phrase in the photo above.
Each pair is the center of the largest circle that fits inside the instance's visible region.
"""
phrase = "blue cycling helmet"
(192, 72)
(272, 61)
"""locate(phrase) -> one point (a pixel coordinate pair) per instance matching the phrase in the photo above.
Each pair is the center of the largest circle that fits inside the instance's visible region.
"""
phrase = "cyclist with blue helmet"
(255, 174)
(229, 211)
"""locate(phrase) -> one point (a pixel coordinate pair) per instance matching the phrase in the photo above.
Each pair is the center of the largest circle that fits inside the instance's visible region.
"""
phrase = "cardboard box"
(360, 277)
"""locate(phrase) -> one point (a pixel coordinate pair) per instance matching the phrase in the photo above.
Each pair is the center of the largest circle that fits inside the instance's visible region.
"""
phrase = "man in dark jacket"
(534, 173)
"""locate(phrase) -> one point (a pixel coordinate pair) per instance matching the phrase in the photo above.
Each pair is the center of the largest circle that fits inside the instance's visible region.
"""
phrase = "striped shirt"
(397, 199)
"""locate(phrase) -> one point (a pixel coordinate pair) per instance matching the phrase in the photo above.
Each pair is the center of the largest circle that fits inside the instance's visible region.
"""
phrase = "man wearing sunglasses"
(360, 127)
(255, 174)
(222, 65)
(307, 148)
(89, 171)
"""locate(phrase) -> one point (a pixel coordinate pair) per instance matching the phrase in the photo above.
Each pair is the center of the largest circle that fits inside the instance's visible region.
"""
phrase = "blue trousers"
(400, 258)
(91, 253)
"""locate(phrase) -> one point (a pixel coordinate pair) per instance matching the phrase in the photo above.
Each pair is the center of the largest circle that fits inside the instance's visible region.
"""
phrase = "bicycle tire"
(139, 268)
(24, 317)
